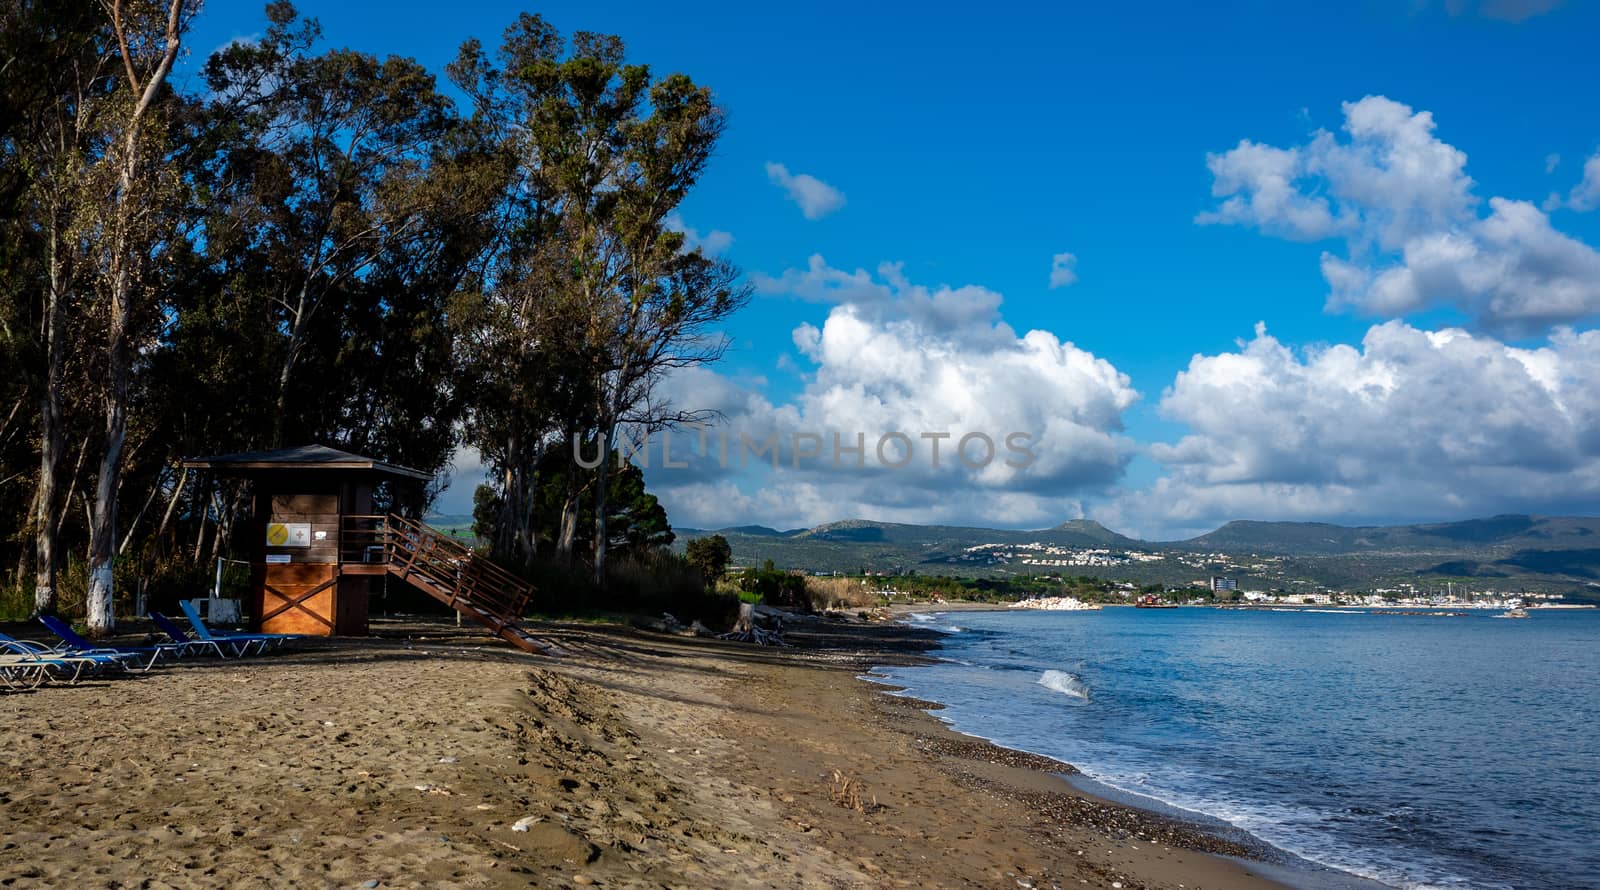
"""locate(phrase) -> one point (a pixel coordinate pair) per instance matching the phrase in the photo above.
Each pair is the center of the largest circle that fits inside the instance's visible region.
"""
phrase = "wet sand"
(641, 760)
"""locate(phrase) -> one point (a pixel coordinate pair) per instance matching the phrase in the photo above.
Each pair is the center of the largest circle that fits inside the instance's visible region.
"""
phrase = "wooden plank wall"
(322, 512)
(297, 599)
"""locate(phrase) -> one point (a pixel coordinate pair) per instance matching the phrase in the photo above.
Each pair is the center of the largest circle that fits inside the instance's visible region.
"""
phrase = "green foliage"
(16, 602)
(335, 253)
(590, 297)
(485, 513)
(641, 583)
(710, 555)
(786, 590)
(638, 523)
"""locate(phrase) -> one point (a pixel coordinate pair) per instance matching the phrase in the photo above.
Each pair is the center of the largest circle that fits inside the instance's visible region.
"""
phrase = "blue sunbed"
(59, 660)
(263, 642)
(176, 634)
(23, 668)
(77, 645)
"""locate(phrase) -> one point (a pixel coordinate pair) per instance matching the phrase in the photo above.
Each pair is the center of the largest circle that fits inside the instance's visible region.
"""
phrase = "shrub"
(16, 601)
(840, 593)
(652, 578)
(710, 555)
(785, 590)
(649, 583)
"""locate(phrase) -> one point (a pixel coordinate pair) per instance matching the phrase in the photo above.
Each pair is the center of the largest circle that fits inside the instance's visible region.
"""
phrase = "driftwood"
(746, 630)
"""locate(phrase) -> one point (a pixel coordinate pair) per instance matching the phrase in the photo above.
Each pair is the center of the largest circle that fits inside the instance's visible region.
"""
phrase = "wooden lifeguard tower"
(318, 545)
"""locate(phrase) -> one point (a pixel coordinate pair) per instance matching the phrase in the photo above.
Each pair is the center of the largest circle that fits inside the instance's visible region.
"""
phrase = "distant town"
(1224, 588)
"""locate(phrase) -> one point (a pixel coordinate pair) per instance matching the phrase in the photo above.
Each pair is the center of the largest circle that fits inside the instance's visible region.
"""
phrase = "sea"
(1415, 751)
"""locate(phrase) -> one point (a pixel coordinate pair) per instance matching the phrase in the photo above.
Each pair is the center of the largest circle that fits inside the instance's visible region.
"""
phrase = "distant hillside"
(1513, 532)
(1501, 552)
(856, 544)
(456, 525)
(1078, 533)
(756, 530)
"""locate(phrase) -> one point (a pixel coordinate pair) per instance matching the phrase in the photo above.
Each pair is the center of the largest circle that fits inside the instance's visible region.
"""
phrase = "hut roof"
(301, 459)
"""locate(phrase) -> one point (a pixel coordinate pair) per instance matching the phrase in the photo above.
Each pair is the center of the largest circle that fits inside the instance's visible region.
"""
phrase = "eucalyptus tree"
(606, 152)
(55, 69)
(346, 209)
(526, 366)
(132, 183)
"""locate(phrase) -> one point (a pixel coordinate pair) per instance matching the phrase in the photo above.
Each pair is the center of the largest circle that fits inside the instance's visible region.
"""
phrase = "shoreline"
(1282, 866)
(642, 759)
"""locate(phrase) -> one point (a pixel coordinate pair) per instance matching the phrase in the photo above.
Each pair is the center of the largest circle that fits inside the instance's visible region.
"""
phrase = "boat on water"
(1516, 612)
(1151, 601)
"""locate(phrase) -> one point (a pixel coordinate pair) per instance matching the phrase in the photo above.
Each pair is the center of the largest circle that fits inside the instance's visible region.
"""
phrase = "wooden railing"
(443, 568)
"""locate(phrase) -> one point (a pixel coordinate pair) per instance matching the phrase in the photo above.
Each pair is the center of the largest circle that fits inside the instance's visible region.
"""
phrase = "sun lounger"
(63, 667)
(22, 671)
(77, 645)
(176, 634)
(263, 642)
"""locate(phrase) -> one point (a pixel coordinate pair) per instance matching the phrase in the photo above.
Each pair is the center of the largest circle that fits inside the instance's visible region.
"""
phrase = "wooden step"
(460, 578)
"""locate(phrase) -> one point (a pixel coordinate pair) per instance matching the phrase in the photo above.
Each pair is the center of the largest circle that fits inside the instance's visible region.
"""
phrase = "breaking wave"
(1064, 683)
(926, 620)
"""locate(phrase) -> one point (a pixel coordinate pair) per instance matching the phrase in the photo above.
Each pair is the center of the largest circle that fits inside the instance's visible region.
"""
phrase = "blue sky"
(972, 148)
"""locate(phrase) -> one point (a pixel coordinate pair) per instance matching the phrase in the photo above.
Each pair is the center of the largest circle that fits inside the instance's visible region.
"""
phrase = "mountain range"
(1554, 553)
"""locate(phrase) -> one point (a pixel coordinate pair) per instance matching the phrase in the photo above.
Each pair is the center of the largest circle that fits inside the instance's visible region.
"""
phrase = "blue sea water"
(1417, 751)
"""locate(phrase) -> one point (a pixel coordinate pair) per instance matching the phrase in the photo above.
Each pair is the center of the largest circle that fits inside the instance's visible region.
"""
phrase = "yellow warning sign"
(288, 534)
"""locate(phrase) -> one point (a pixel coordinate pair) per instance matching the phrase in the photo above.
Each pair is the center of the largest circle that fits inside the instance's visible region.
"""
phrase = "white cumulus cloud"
(1411, 424)
(896, 356)
(1414, 229)
(1063, 270)
(1586, 194)
(815, 197)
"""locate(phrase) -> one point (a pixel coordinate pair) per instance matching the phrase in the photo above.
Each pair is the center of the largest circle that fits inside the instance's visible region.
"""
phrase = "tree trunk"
(601, 476)
(746, 622)
(166, 516)
(228, 511)
(44, 512)
(569, 521)
(103, 516)
(202, 506)
(133, 527)
(567, 535)
(291, 354)
(126, 206)
(504, 534)
(529, 539)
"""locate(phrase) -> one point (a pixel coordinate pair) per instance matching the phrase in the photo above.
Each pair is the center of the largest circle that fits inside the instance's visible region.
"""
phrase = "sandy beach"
(432, 757)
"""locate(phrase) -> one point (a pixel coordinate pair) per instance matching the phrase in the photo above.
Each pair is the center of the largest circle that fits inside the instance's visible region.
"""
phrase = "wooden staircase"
(451, 573)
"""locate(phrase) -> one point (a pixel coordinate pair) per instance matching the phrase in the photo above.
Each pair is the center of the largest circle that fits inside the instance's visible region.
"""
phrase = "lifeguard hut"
(318, 544)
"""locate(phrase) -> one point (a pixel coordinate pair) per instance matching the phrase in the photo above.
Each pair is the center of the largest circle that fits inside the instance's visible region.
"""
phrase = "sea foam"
(926, 620)
(1064, 683)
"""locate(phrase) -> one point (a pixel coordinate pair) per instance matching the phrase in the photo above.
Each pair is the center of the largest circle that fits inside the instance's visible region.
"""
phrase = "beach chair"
(262, 642)
(176, 634)
(22, 671)
(62, 667)
(133, 655)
